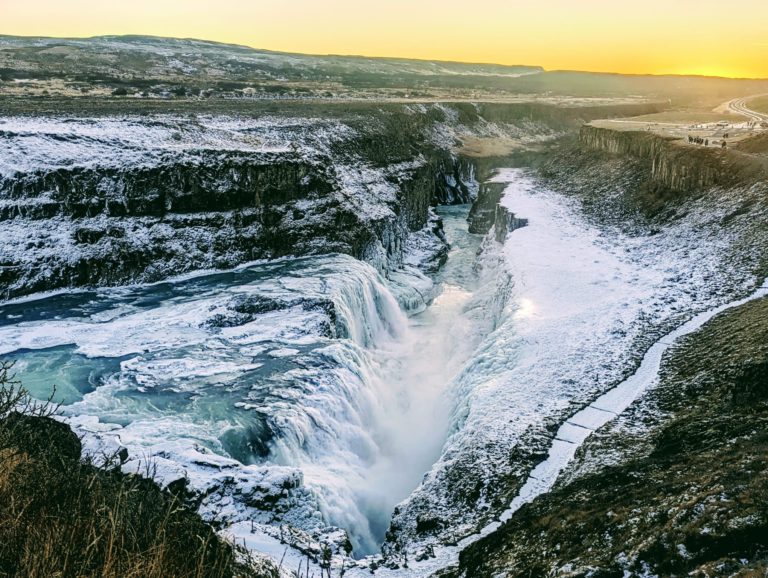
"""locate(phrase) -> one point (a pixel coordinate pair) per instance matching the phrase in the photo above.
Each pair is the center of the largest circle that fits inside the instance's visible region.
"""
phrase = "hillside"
(182, 68)
(175, 67)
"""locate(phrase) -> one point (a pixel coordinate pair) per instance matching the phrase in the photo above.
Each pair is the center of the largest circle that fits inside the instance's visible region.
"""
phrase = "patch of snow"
(585, 304)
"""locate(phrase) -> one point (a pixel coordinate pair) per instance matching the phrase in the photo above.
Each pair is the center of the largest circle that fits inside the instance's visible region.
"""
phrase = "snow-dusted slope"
(167, 195)
(584, 304)
(171, 57)
(44, 143)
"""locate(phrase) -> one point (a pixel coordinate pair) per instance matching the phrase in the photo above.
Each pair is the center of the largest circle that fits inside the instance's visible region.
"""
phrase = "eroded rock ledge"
(673, 165)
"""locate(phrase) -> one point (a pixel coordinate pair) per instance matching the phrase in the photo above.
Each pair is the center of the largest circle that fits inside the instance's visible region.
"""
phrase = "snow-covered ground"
(605, 408)
(585, 305)
(48, 143)
(299, 393)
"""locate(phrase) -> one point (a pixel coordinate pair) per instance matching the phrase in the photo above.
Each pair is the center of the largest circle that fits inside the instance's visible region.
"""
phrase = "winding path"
(739, 106)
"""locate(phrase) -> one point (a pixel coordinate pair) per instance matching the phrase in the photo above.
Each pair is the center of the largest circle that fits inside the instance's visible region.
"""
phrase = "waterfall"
(316, 374)
(368, 312)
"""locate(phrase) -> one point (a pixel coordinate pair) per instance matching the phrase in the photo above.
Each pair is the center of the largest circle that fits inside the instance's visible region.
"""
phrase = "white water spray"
(211, 364)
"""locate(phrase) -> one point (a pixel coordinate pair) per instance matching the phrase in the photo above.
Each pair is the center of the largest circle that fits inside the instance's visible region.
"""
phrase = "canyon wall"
(673, 165)
(114, 200)
(106, 225)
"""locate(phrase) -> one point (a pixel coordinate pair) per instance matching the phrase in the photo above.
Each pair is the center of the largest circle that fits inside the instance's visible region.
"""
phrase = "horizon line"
(376, 57)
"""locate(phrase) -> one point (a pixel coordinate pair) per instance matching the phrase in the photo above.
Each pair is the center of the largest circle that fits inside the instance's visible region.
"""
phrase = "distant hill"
(169, 67)
(144, 59)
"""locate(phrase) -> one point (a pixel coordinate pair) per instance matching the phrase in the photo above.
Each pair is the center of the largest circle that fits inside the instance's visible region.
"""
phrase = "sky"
(723, 38)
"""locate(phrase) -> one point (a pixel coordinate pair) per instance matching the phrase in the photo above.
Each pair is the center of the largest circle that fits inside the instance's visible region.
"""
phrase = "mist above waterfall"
(309, 364)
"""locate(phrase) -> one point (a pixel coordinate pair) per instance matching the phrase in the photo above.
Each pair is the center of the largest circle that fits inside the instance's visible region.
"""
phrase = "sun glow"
(659, 37)
(525, 308)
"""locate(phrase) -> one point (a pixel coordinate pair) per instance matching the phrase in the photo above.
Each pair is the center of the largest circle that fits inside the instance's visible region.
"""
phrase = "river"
(310, 364)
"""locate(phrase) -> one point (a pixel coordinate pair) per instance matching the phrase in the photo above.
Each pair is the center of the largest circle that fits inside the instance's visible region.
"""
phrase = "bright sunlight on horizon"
(703, 37)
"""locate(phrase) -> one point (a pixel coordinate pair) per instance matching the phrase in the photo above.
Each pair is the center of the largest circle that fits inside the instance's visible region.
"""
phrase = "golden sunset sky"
(725, 38)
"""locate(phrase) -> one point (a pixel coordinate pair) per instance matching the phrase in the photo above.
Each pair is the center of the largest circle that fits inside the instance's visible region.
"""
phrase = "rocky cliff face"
(114, 200)
(482, 215)
(103, 228)
(119, 219)
(672, 165)
(505, 222)
(210, 182)
(103, 225)
(456, 181)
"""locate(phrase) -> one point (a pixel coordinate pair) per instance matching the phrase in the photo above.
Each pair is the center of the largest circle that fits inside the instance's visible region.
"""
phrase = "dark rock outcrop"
(211, 182)
(505, 222)
(482, 215)
(672, 165)
(455, 182)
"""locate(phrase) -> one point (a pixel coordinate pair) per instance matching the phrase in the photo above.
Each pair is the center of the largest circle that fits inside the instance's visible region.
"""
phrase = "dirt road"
(739, 106)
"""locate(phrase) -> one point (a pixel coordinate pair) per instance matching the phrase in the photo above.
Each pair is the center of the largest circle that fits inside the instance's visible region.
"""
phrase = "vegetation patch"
(759, 104)
(61, 515)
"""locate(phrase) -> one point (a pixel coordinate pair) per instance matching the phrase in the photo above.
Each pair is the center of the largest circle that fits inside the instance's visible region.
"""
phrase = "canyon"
(358, 340)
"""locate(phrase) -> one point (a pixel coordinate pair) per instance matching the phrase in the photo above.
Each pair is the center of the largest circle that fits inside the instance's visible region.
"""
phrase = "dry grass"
(759, 104)
(480, 147)
(63, 517)
(757, 144)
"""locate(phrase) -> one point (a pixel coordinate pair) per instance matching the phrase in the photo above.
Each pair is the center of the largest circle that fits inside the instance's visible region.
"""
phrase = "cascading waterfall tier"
(266, 365)
(296, 392)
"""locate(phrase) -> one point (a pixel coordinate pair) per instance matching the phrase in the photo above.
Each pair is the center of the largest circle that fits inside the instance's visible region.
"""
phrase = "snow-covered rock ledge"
(99, 202)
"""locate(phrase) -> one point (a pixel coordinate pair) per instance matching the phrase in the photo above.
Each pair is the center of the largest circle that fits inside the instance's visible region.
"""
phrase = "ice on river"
(267, 365)
(300, 372)
(584, 304)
